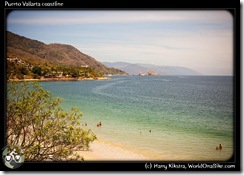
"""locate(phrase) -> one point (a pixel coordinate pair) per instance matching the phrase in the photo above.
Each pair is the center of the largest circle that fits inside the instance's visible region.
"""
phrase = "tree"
(37, 70)
(43, 130)
(24, 70)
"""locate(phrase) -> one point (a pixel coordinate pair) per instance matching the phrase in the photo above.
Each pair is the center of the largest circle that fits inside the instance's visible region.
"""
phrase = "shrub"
(43, 130)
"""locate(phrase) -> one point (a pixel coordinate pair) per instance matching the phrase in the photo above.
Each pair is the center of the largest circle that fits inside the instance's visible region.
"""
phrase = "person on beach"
(219, 147)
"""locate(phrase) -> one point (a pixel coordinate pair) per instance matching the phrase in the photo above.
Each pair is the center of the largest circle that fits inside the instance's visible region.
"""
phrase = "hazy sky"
(200, 40)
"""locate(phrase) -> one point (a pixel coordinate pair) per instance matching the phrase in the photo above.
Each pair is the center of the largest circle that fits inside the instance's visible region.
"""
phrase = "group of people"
(149, 131)
(84, 124)
(99, 124)
(219, 147)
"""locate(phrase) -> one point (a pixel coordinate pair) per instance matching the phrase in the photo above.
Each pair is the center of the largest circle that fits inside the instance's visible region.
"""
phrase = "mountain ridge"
(137, 68)
(65, 54)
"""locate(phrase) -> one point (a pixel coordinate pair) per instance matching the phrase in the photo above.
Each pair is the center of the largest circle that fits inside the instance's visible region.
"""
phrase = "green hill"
(25, 53)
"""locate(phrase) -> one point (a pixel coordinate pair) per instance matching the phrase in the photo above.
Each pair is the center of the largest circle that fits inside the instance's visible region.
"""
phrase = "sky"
(200, 40)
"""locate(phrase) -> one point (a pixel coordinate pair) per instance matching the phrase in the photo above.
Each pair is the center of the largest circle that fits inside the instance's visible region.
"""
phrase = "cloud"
(112, 16)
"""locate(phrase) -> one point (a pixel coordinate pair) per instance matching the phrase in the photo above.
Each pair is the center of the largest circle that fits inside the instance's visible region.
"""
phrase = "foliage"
(37, 124)
(51, 70)
(37, 70)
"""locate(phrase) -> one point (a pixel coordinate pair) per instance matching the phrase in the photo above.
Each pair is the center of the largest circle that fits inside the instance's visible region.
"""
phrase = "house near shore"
(18, 61)
(60, 75)
(84, 66)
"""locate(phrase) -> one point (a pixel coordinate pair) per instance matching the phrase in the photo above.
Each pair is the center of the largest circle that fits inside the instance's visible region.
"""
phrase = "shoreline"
(58, 79)
(101, 150)
(106, 151)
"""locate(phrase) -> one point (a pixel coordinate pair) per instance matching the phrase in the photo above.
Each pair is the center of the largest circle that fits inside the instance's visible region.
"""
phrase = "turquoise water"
(188, 116)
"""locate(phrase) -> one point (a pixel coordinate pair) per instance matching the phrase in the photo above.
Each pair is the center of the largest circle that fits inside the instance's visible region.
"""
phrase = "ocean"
(168, 118)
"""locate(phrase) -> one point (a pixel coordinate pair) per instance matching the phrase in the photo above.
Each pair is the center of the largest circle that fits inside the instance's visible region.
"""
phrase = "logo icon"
(13, 157)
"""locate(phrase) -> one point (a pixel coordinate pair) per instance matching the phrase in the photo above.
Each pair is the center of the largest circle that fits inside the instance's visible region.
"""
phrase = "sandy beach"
(101, 150)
